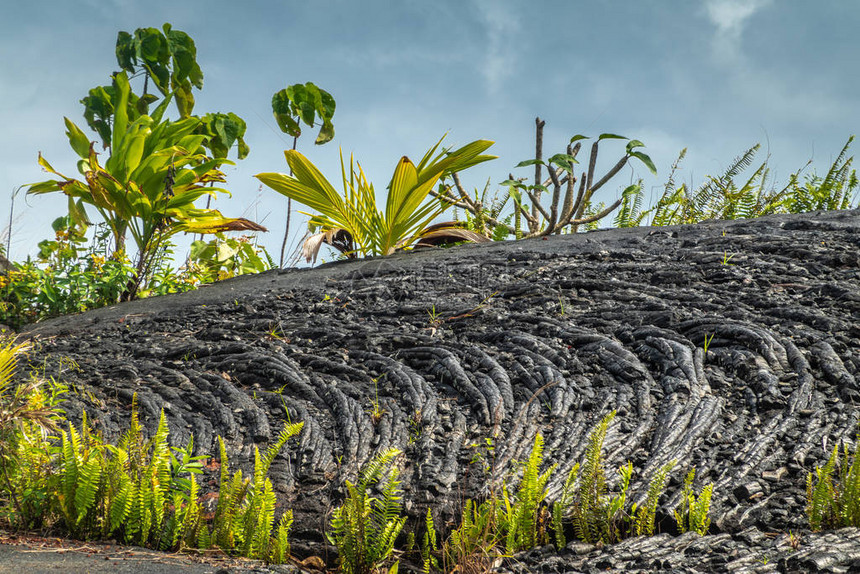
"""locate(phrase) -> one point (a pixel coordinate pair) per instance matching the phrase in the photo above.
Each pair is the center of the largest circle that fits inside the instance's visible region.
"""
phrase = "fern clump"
(589, 511)
(562, 506)
(365, 527)
(245, 512)
(598, 516)
(140, 490)
(28, 412)
(833, 492)
(643, 516)
(473, 545)
(428, 545)
(692, 513)
(524, 531)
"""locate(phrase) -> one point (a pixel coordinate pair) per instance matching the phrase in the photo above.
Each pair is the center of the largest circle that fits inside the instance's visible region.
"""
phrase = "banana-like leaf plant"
(147, 187)
(352, 223)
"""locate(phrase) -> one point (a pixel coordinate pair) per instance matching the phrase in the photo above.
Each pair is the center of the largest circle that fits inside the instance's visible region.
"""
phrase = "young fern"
(562, 506)
(428, 545)
(472, 545)
(822, 506)
(835, 503)
(364, 528)
(588, 513)
(615, 507)
(523, 510)
(643, 522)
(692, 512)
(280, 546)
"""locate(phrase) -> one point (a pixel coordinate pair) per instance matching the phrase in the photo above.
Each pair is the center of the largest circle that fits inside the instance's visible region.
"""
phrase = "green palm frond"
(354, 212)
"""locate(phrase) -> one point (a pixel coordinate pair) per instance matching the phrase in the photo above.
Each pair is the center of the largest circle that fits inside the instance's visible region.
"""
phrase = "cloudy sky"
(713, 76)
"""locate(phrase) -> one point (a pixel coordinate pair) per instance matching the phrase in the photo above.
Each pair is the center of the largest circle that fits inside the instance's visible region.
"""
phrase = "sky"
(712, 76)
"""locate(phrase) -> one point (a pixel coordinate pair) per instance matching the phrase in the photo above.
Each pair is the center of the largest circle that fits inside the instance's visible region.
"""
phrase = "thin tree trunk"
(289, 211)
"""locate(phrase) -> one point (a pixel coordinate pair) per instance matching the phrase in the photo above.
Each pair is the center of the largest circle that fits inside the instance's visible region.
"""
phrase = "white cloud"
(730, 18)
(499, 25)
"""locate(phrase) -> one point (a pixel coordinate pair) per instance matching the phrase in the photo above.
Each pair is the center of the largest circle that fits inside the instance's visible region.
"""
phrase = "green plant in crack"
(833, 491)
(644, 515)
(692, 513)
(365, 527)
(523, 510)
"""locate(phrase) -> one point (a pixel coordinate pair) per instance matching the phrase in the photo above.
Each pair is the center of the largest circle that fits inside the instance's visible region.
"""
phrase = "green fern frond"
(281, 542)
(429, 546)
(588, 514)
(692, 512)
(288, 432)
(644, 520)
(821, 499)
(364, 528)
(265, 519)
(89, 481)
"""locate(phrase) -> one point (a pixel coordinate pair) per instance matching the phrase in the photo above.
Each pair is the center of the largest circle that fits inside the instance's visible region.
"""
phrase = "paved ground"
(26, 554)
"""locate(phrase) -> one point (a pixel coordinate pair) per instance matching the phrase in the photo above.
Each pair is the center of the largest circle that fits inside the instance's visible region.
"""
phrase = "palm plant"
(147, 187)
(353, 224)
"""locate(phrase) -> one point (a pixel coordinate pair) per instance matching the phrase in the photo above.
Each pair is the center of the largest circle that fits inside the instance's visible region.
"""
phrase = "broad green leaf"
(126, 51)
(142, 104)
(78, 213)
(578, 137)
(529, 162)
(326, 133)
(282, 108)
(562, 158)
(77, 139)
(328, 105)
(610, 137)
(633, 144)
(43, 187)
(120, 122)
(184, 99)
(646, 160)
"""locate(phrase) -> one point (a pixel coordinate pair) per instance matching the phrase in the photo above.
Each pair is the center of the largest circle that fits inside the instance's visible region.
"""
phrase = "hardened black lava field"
(731, 346)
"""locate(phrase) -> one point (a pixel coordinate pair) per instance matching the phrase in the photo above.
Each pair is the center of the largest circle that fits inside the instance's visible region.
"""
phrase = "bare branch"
(609, 174)
(579, 205)
(463, 195)
(592, 162)
(536, 206)
(600, 215)
(553, 213)
(567, 208)
(539, 124)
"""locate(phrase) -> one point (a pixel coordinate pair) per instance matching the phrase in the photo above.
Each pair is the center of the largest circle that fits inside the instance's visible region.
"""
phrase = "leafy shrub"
(223, 257)
(67, 277)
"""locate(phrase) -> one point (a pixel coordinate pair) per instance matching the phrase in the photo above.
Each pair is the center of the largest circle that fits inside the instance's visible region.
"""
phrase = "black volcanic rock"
(507, 339)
